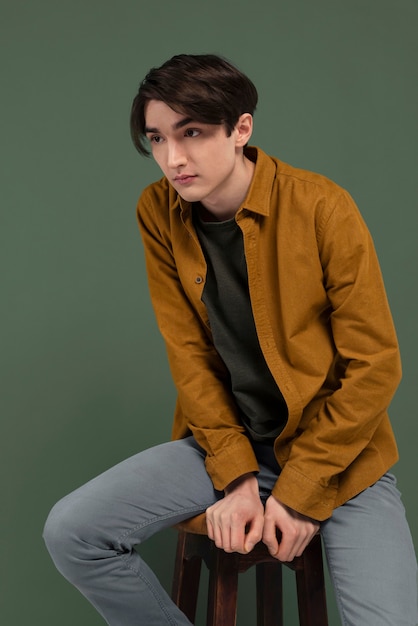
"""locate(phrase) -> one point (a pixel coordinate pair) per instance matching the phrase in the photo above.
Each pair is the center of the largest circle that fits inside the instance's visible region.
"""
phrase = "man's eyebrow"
(183, 122)
(176, 126)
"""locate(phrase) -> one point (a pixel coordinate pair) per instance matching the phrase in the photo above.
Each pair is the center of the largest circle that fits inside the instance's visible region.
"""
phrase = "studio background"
(84, 379)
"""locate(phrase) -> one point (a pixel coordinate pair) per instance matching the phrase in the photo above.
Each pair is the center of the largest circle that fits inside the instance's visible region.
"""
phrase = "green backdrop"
(84, 381)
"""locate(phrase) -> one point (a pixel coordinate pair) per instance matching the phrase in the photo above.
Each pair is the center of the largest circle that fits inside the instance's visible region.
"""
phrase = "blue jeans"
(91, 534)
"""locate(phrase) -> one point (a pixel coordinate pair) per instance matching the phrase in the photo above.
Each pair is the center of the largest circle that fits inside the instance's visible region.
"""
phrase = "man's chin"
(190, 195)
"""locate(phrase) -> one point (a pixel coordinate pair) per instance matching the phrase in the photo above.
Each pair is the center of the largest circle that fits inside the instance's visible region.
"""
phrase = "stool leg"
(223, 589)
(186, 576)
(310, 583)
(269, 594)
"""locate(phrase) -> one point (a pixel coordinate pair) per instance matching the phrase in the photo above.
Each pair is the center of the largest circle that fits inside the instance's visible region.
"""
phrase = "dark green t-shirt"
(226, 297)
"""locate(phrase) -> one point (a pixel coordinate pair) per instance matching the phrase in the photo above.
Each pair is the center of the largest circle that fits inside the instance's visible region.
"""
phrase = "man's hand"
(296, 530)
(235, 523)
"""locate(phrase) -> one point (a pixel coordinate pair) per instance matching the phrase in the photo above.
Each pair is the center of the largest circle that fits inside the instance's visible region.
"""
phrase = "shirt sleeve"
(346, 424)
(198, 372)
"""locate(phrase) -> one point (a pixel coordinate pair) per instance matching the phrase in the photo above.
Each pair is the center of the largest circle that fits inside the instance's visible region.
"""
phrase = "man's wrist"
(245, 481)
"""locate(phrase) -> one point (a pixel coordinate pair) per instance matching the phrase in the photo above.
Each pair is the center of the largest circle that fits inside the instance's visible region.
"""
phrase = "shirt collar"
(259, 193)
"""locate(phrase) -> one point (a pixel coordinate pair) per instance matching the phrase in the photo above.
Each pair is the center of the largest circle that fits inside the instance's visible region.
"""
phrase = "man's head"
(206, 88)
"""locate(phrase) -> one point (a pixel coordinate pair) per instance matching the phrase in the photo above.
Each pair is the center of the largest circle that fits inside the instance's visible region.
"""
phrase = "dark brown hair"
(205, 87)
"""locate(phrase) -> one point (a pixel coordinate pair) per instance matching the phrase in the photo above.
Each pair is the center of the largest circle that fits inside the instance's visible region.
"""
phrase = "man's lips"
(183, 179)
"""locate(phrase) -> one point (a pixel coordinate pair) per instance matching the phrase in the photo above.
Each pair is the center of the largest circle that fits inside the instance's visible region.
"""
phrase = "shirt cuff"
(230, 463)
(305, 496)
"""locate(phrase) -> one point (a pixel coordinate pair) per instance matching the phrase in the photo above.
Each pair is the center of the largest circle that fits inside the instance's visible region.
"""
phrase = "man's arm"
(349, 425)
(173, 260)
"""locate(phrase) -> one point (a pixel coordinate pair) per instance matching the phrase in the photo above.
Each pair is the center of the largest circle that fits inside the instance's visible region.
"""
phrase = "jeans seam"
(191, 510)
(151, 589)
(124, 557)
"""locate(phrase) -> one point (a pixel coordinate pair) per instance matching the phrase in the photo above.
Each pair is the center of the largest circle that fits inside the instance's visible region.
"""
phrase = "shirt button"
(198, 280)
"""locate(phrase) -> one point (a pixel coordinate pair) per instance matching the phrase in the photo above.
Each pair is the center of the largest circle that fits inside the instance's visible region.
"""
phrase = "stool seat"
(194, 546)
(195, 525)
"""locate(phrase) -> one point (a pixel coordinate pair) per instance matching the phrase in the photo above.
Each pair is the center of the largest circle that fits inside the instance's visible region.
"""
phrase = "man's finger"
(254, 534)
(270, 537)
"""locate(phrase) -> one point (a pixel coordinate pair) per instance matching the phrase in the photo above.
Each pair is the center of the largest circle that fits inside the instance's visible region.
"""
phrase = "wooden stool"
(194, 545)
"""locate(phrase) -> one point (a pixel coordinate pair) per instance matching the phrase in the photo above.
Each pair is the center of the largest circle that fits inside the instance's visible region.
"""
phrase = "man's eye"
(156, 139)
(192, 132)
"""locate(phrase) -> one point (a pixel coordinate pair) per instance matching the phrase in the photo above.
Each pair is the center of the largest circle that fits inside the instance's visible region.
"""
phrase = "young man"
(268, 293)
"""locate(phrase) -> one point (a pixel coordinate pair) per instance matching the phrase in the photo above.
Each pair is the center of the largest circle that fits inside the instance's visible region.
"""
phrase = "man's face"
(199, 160)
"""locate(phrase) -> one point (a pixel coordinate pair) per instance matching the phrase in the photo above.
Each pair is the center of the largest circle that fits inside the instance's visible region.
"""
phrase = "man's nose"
(176, 155)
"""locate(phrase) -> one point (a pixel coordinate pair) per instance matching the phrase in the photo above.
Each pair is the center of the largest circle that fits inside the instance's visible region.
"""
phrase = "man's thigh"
(147, 492)
(371, 558)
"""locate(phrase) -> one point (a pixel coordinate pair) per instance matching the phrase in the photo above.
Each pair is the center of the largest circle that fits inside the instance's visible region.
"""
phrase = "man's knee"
(63, 533)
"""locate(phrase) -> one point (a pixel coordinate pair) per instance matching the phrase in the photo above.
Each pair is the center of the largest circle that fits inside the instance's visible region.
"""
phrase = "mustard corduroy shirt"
(323, 323)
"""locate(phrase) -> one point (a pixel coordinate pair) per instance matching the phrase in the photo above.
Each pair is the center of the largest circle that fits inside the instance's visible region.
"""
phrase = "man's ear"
(243, 129)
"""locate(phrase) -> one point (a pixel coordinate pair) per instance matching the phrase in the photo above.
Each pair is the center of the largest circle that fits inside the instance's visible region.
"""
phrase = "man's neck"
(227, 205)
